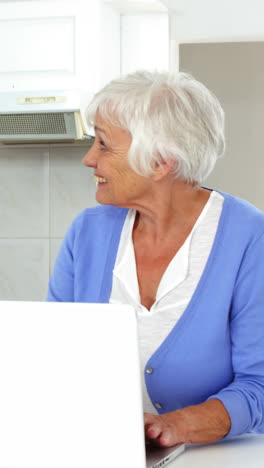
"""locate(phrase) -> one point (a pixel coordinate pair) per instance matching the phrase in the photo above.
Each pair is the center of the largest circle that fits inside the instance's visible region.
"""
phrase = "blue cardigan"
(216, 349)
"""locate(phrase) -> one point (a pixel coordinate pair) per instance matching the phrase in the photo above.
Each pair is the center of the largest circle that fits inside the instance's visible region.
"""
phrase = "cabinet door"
(54, 45)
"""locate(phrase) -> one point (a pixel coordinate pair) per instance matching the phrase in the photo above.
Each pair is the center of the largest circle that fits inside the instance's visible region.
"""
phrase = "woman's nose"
(89, 159)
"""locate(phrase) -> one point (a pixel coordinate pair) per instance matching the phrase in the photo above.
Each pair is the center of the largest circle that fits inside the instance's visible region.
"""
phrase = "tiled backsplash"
(42, 188)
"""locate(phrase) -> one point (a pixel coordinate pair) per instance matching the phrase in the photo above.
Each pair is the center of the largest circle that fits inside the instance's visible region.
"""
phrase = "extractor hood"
(43, 116)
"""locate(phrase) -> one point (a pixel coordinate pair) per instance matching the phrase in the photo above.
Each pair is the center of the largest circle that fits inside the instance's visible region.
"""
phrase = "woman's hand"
(204, 423)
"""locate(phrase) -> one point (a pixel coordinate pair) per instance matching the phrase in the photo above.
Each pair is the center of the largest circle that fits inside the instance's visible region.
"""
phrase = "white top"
(177, 284)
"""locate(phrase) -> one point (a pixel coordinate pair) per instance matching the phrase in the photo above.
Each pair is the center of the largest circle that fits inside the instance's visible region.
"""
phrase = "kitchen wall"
(43, 187)
(47, 45)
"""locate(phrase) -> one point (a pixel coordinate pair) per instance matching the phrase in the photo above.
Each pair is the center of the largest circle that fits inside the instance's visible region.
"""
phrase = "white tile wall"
(42, 188)
(24, 269)
(72, 187)
(24, 194)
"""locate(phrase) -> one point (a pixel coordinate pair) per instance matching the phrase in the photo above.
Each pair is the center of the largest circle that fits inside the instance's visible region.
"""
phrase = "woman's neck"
(169, 212)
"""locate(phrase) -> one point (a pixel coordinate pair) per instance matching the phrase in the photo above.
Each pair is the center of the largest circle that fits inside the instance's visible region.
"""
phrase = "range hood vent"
(54, 118)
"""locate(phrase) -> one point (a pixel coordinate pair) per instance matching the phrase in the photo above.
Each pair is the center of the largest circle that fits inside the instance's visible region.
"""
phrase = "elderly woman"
(188, 258)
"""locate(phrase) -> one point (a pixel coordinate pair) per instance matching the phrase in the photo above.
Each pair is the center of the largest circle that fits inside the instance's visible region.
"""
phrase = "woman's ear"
(162, 169)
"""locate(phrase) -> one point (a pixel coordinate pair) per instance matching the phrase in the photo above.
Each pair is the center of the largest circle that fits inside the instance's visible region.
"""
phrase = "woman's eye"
(102, 145)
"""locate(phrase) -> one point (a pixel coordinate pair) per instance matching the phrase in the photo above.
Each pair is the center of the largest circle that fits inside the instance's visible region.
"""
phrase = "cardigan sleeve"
(61, 283)
(244, 397)
(84, 265)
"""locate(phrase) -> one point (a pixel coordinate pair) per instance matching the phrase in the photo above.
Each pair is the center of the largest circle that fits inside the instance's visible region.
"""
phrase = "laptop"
(70, 389)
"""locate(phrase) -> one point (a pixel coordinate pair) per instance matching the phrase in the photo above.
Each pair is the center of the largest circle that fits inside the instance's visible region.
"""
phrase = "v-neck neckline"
(190, 309)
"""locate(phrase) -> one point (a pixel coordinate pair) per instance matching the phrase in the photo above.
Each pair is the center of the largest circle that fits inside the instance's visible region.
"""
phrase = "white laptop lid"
(66, 371)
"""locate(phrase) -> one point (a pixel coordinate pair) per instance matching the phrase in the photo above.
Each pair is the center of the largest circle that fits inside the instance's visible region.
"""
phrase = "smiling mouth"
(100, 180)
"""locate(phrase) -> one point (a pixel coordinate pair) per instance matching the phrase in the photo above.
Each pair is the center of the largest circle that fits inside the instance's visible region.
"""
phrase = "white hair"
(171, 117)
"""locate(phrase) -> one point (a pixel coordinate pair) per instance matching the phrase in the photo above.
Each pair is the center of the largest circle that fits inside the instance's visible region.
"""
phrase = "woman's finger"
(153, 431)
(166, 438)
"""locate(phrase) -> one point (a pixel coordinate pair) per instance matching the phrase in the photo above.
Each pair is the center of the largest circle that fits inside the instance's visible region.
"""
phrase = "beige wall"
(235, 73)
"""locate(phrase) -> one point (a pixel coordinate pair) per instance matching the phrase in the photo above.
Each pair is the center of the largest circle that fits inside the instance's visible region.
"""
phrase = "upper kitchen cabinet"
(58, 44)
(144, 34)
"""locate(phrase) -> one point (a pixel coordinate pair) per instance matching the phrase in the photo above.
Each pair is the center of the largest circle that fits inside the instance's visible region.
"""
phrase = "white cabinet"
(145, 41)
(58, 44)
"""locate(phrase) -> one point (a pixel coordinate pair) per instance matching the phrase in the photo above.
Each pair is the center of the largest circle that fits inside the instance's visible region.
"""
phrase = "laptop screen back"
(70, 393)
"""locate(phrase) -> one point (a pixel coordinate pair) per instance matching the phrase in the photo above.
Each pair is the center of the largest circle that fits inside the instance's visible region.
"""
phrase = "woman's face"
(117, 183)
